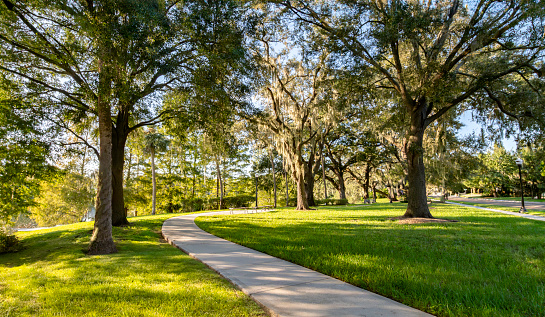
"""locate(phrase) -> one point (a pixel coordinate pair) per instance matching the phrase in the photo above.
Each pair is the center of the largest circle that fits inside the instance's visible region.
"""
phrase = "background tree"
(155, 142)
(64, 199)
(24, 154)
(432, 56)
(297, 111)
(84, 57)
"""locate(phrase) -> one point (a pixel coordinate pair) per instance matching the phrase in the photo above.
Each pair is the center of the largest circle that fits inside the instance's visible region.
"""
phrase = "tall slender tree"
(155, 142)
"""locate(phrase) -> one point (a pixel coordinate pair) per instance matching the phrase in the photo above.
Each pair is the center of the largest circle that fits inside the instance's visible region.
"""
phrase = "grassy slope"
(488, 264)
(52, 276)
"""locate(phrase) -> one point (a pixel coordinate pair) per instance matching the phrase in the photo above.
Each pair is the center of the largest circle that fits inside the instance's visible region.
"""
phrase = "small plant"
(341, 201)
(8, 242)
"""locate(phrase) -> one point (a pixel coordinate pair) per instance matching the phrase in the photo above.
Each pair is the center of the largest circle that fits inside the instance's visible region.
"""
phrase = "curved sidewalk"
(516, 214)
(281, 287)
(505, 203)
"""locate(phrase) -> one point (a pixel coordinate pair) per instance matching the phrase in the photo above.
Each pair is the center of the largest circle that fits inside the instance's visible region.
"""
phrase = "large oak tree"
(433, 55)
(95, 58)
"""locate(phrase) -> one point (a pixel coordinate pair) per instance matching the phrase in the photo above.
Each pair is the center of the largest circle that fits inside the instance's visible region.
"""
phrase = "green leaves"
(23, 157)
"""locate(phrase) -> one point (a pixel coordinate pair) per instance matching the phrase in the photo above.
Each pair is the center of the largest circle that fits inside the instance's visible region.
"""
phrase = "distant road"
(505, 203)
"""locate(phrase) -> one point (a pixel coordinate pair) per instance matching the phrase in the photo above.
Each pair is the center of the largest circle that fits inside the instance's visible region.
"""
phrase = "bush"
(198, 204)
(331, 201)
(189, 205)
(327, 201)
(292, 202)
(230, 202)
(8, 242)
(238, 201)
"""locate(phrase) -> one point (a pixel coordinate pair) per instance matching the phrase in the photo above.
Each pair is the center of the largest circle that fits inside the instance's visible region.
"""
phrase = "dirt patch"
(414, 221)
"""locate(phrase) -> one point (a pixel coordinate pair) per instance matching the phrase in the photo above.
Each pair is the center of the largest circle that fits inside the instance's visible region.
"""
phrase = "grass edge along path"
(517, 199)
(147, 277)
(499, 207)
(487, 264)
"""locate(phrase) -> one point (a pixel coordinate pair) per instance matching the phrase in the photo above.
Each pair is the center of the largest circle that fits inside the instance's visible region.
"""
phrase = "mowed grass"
(148, 277)
(487, 264)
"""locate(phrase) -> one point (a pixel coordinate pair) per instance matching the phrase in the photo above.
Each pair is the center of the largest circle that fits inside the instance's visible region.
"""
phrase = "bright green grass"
(148, 277)
(513, 209)
(488, 264)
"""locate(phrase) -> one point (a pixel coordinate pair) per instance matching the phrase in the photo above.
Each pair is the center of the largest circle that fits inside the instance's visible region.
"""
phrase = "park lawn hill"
(485, 264)
(52, 276)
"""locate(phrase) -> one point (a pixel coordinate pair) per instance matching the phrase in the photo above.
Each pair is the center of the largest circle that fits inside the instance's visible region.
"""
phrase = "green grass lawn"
(487, 264)
(148, 277)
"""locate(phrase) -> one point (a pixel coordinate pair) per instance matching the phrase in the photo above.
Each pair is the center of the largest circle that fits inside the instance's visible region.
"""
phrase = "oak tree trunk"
(309, 186)
(366, 183)
(119, 215)
(302, 202)
(341, 185)
(416, 194)
(102, 241)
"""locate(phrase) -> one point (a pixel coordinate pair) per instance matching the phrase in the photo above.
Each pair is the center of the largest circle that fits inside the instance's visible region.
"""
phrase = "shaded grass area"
(487, 264)
(513, 209)
(148, 277)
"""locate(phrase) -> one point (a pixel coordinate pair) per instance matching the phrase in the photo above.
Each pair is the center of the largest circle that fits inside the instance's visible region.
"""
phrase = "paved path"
(460, 202)
(281, 287)
(506, 203)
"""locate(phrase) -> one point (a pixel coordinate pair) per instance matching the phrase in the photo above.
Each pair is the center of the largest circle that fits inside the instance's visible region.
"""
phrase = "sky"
(471, 126)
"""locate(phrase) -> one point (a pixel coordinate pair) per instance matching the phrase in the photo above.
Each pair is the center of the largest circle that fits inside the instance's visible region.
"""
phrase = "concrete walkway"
(530, 205)
(281, 287)
(517, 214)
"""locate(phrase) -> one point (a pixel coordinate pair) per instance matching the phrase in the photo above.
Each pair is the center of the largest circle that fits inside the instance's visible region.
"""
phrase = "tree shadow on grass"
(145, 277)
(132, 282)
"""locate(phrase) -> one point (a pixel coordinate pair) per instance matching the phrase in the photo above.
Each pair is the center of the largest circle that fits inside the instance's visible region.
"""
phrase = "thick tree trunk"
(391, 192)
(416, 194)
(366, 183)
(302, 202)
(342, 186)
(102, 241)
(311, 168)
(119, 215)
(299, 173)
(154, 182)
(309, 186)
